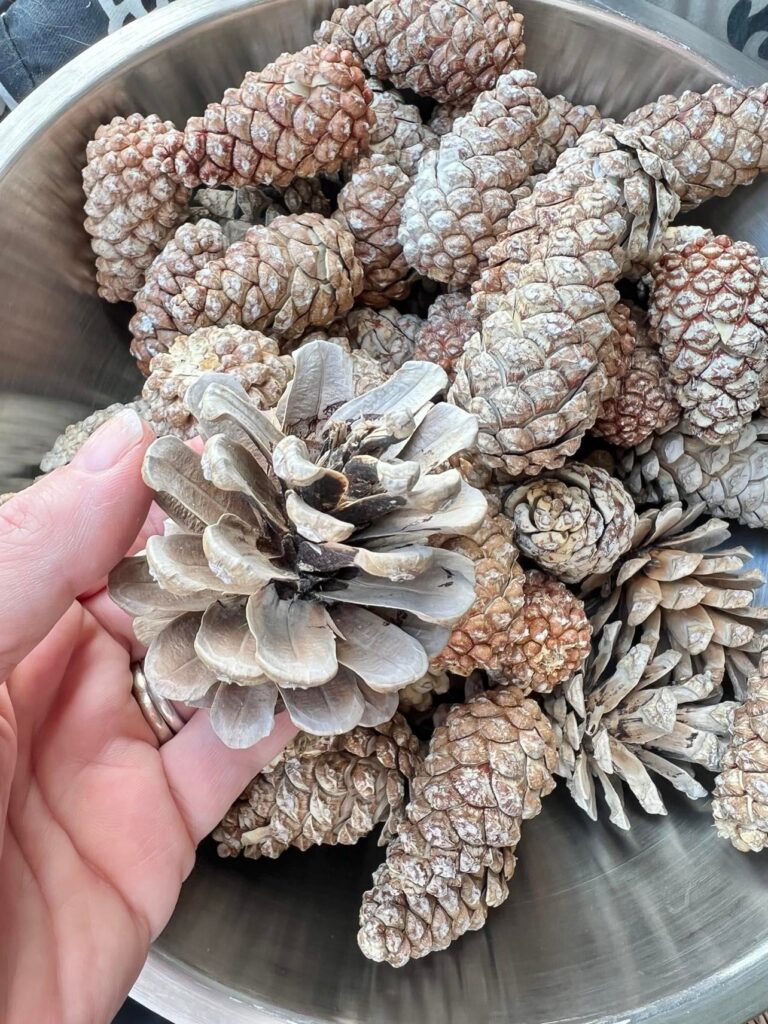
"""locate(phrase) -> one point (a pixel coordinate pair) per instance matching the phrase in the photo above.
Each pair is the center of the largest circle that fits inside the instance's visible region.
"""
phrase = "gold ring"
(159, 714)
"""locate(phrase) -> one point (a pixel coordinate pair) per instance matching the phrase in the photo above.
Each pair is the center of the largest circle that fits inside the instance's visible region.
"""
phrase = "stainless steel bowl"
(664, 924)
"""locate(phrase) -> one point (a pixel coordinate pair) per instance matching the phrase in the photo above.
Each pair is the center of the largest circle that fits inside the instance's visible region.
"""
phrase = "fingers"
(206, 777)
(63, 534)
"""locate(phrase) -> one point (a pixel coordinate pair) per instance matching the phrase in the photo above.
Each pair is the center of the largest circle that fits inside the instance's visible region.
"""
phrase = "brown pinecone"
(236, 210)
(132, 205)
(709, 317)
(386, 335)
(644, 400)
(304, 114)
(487, 769)
(71, 440)
(554, 637)
(398, 133)
(324, 790)
(449, 326)
(616, 351)
(717, 141)
(562, 128)
(370, 208)
(440, 48)
(153, 326)
(494, 622)
(249, 356)
(740, 797)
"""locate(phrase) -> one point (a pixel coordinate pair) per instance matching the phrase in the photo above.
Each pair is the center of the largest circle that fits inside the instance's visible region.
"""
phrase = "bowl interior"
(600, 925)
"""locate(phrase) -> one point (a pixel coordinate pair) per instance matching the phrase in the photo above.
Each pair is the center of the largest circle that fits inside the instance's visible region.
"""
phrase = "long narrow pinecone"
(132, 205)
(324, 790)
(449, 326)
(303, 114)
(398, 132)
(445, 49)
(487, 769)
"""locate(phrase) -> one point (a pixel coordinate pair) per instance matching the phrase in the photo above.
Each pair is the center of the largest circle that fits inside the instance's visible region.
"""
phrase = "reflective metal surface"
(665, 924)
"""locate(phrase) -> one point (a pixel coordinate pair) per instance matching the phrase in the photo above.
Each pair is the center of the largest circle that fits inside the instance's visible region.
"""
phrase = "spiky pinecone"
(370, 208)
(445, 49)
(740, 798)
(621, 718)
(386, 335)
(72, 439)
(717, 140)
(303, 114)
(153, 327)
(449, 326)
(709, 317)
(483, 637)
(252, 359)
(267, 590)
(324, 790)
(132, 205)
(399, 134)
(236, 210)
(487, 769)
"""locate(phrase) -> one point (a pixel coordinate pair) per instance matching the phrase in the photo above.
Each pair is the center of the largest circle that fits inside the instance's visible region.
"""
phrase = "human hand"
(98, 825)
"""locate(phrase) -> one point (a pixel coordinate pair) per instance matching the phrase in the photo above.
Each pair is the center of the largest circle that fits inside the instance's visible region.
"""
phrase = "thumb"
(66, 531)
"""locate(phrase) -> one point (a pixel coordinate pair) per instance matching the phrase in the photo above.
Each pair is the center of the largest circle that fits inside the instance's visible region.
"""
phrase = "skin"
(98, 824)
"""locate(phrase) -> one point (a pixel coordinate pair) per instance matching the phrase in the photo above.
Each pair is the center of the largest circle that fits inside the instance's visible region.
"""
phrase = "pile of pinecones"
(460, 507)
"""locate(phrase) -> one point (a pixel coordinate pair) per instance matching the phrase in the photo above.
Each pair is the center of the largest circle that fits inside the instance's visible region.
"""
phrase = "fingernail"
(110, 443)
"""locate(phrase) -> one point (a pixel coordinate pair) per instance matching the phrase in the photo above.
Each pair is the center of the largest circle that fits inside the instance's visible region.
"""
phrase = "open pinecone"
(449, 326)
(487, 768)
(288, 533)
(324, 790)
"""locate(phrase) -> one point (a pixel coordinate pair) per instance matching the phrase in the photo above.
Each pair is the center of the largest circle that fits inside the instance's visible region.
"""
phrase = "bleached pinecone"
(444, 115)
(494, 623)
(676, 237)
(697, 600)
(440, 48)
(249, 356)
(616, 351)
(717, 140)
(72, 439)
(622, 718)
(449, 326)
(709, 317)
(731, 481)
(324, 790)
(487, 769)
(644, 397)
(398, 133)
(153, 327)
(370, 207)
(386, 335)
(265, 583)
(462, 193)
(302, 115)
(740, 798)
(420, 696)
(132, 205)
(562, 128)
(236, 210)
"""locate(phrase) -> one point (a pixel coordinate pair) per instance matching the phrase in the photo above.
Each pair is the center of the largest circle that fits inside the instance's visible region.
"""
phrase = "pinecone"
(299, 273)
(729, 480)
(386, 335)
(398, 133)
(676, 584)
(716, 141)
(494, 623)
(709, 314)
(444, 114)
(304, 114)
(420, 696)
(621, 718)
(69, 443)
(675, 238)
(370, 208)
(324, 790)
(644, 400)
(252, 359)
(449, 326)
(265, 584)
(462, 194)
(236, 210)
(445, 49)
(153, 327)
(616, 351)
(562, 128)
(487, 769)
(132, 205)
(739, 803)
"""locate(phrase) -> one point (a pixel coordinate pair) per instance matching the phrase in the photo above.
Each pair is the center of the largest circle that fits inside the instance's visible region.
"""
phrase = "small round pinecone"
(420, 696)
(69, 443)
(370, 208)
(439, 48)
(132, 205)
(709, 314)
(249, 356)
(386, 335)
(153, 326)
(398, 133)
(238, 209)
(444, 114)
(304, 114)
(574, 522)
(450, 324)
(493, 624)
(554, 637)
